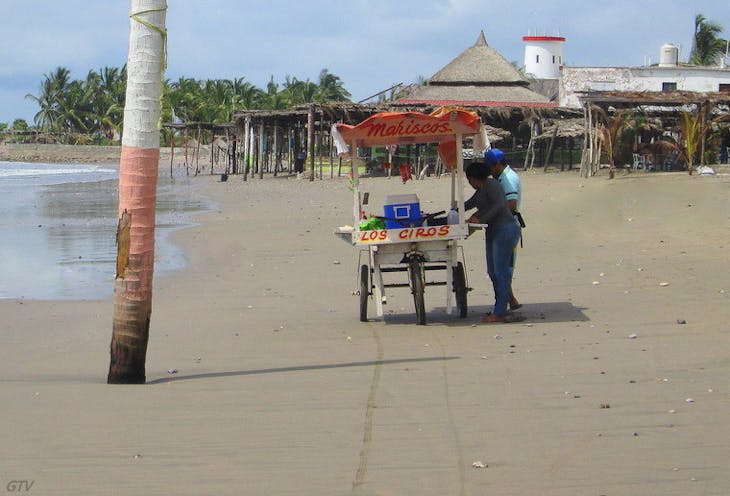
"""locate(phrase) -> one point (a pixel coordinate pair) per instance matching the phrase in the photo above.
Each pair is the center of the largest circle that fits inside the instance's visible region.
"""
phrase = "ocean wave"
(21, 169)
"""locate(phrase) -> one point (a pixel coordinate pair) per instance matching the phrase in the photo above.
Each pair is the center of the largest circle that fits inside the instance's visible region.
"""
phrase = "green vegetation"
(707, 48)
(91, 110)
(20, 125)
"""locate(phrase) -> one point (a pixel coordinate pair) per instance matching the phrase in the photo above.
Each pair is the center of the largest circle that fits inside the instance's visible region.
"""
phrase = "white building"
(543, 56)
(668, 75)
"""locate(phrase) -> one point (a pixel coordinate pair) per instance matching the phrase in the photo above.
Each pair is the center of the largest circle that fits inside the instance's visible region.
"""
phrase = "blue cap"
(493, 156)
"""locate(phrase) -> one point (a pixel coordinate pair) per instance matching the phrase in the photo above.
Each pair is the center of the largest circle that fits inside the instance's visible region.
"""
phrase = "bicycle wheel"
(364, 292)
(460, 289)
(416, 276)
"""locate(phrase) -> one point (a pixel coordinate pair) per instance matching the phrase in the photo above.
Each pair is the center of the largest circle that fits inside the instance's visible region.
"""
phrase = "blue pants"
(501, 242)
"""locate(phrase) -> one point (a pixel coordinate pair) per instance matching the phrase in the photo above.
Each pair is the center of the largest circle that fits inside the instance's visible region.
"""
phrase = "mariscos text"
(408, 128)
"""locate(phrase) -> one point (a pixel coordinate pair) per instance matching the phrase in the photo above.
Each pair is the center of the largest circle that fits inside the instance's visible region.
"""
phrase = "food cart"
(411, 243)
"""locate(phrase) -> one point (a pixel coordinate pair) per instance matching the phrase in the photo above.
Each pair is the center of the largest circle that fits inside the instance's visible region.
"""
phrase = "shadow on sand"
(533, 313)
(299, 368)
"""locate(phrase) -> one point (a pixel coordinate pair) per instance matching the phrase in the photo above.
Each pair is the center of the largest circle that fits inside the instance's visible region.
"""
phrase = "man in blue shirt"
(495, 161)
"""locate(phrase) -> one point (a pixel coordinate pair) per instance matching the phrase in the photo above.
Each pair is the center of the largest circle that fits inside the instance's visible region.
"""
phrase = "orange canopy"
(393, 128)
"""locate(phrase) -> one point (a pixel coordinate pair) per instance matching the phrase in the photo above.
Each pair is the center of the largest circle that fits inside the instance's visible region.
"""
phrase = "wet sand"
(279, 389)
(60, 222)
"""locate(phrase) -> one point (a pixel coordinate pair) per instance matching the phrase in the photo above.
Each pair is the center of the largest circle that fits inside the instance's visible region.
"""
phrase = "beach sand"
(280, 390)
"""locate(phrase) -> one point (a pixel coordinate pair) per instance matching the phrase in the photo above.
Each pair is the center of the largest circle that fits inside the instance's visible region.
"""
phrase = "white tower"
(543, 56)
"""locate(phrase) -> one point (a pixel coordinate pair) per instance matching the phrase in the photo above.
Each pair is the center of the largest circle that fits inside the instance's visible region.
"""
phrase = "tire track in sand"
(368, 424)
(460, 465)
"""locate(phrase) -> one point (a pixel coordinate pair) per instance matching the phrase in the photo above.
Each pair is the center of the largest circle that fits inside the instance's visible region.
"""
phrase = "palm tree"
(184, 94)
(246, 95)
(137, 193)
(300, 91)
(275, 99)
(217, 100)
(75, 107)
(331, 88)
(610, 129)
(707, 48)
(46, 117)
(93, 105)
(52, 88)
(695, 129)
(109, 101)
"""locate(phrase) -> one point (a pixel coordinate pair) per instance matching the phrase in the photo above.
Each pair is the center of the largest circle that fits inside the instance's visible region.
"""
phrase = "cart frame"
(415, 250)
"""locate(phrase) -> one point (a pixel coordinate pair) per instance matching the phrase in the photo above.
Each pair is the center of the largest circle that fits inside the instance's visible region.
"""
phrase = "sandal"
(504, 319)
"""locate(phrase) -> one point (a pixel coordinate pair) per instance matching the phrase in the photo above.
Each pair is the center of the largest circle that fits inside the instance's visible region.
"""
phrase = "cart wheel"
(415, 274)
(364, 292)
(460, 289)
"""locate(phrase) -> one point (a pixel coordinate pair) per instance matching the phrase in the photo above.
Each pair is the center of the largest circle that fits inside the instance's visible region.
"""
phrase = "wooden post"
(319, 142)
(550, 147)
(187, 168)
(172, 148)
(262, 149)
(235, 153)
(310, 141)
(290, 140)
(390, 159)
(586, 157)
(256, 146)
(331, 150)
(591, 142)
(276, 148)
(530, 144)
(212, 152)
(197, 154)
(246, 146)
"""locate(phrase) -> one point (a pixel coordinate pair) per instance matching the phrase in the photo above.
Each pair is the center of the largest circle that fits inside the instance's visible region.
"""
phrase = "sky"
(370, 44)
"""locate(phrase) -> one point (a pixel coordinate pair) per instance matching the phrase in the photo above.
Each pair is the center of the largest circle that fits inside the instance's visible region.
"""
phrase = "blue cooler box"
(402, 211)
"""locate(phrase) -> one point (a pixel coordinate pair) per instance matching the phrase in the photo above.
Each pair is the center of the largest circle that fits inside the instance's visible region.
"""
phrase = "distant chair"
(639, 162)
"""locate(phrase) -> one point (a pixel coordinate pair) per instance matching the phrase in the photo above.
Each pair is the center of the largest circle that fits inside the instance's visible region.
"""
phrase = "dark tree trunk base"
(130, 334)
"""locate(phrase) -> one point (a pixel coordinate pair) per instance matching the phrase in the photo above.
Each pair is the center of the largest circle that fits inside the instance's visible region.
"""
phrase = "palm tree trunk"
(137, 193)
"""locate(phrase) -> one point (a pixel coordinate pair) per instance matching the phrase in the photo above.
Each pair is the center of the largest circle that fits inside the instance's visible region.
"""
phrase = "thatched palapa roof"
(565, 128)
(478, 77)
(632, 99)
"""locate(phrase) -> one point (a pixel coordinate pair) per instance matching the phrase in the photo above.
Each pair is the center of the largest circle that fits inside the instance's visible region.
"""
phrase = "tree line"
(92, 109)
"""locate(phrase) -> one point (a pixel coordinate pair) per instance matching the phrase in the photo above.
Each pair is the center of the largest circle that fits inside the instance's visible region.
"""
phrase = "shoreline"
(106, 155)
(95, 155)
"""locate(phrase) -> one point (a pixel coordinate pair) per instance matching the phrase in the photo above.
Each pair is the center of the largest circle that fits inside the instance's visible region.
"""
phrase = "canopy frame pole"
(458, 193)
(357, 201)
(458, 179)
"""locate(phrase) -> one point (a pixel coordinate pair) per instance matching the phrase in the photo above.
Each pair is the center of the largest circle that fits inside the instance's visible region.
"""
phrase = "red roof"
(543, 38)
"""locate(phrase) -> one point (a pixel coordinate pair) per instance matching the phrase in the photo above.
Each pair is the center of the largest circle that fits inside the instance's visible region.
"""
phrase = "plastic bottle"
(453, 216)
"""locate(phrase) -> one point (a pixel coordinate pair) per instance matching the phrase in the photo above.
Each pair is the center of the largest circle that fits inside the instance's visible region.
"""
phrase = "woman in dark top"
(502, 234)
